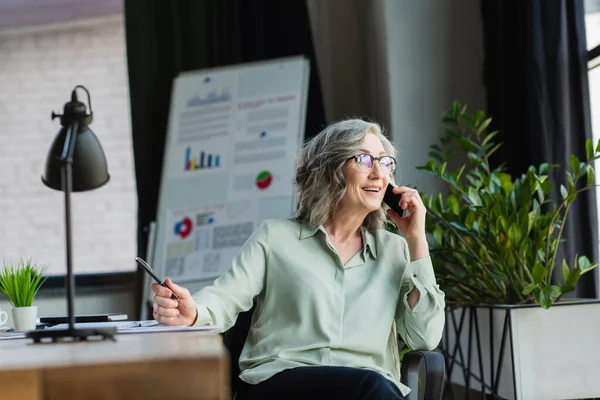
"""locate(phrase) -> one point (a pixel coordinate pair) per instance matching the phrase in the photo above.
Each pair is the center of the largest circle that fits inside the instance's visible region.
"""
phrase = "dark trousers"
(328, 383)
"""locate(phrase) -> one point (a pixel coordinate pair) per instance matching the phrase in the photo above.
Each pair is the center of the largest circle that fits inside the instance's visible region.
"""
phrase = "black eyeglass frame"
(373, 159)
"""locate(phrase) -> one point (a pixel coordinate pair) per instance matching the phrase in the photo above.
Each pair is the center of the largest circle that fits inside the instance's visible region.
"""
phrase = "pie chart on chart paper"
(264, 180)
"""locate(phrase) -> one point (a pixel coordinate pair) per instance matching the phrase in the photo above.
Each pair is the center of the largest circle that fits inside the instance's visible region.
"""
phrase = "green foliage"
(495, 239)
(21, 282)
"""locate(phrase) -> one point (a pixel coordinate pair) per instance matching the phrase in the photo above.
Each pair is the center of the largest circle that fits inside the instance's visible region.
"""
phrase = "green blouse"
(312, 310)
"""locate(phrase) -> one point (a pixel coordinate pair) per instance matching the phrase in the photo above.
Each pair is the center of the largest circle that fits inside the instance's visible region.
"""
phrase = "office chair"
(431, 388)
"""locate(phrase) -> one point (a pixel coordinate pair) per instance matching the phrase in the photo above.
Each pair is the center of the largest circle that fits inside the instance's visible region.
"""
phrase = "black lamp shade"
(89, 162)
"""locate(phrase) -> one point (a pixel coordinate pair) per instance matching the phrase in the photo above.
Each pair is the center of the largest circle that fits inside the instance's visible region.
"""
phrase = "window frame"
(593, 55)
(55, 285)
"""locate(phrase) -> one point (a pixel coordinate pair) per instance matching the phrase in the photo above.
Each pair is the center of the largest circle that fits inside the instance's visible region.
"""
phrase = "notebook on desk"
(85, 318)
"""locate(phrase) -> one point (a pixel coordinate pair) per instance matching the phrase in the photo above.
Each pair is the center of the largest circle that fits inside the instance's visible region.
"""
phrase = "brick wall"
(38, 69)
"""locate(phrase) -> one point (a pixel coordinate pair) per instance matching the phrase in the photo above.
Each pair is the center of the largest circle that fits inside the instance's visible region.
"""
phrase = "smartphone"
(392, 199)
(150, 272)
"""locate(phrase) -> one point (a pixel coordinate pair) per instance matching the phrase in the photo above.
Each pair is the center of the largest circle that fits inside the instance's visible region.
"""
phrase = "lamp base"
(71, 335)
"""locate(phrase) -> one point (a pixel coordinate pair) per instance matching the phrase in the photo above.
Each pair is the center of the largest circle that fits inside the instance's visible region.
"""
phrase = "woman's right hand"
(168, 311)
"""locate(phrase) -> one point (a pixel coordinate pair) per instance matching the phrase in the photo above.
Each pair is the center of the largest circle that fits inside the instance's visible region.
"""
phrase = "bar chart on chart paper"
(200, 161)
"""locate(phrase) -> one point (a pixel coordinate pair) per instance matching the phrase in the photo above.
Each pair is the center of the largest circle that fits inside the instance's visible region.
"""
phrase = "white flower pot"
(24, 318)
(547, 354)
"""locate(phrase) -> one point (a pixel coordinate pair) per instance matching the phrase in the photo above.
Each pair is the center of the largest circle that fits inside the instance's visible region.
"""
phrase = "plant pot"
(24, 318)
(524, 351)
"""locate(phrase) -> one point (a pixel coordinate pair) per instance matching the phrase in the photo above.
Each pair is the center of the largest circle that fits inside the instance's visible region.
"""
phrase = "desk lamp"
(75, 163)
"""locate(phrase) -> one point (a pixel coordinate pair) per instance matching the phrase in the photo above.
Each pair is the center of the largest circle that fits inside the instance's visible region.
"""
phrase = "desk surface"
(181, 365)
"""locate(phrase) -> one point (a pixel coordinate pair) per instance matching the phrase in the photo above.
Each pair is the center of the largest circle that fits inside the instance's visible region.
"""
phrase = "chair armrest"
(434, 374)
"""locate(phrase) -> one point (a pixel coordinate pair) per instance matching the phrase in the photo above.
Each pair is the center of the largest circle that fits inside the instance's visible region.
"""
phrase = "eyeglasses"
(366, 162)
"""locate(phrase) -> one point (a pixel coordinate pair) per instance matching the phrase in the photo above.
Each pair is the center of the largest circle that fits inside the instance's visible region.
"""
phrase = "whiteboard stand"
(146, 300)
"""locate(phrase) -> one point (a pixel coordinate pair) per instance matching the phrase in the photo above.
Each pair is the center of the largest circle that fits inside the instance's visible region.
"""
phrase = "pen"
(150, 272)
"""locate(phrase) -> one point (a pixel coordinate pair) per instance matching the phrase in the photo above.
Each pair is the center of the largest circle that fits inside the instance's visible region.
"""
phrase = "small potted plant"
(20, 283)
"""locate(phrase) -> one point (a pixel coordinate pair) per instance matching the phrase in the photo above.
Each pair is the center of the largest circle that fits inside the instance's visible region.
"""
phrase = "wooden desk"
(172, 366)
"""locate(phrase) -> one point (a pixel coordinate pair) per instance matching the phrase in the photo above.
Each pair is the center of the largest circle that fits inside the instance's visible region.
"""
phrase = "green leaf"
(565, 269)
(570, 184)
(553, 291)
(483, 126)
(477, 117)
(452, 203)
(431, 165)
(583, 263)
(442, 169)
(437, 235)
(489, 137)
(538, 273)
(563, 191)
(460, 172)
(591, 179)
(528, 289)
(574, 275)
(494, 149)
(470, 219)
(547, 186)
(545, 299)
(514, 233)
(506, 181)
(589, 150)
(474, 197)
(574, 161)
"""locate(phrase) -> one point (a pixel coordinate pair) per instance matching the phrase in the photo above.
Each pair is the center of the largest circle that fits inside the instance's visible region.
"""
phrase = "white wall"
(38, 69)
(435, 54)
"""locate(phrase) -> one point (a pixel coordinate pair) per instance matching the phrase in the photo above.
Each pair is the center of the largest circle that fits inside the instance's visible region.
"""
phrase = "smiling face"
(365, 190)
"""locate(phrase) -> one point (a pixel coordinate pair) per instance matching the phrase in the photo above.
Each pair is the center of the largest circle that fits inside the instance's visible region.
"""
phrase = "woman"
(332, 288)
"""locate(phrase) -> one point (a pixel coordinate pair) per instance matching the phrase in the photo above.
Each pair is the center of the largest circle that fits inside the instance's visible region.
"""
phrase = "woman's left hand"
(413, 225)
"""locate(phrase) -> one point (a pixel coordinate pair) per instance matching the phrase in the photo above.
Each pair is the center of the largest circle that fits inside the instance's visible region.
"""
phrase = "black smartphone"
(392, 199)
(150, 272)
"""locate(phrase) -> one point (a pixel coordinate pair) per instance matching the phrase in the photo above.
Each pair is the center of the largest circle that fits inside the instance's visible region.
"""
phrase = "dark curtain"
(535, 74)
(164, 38)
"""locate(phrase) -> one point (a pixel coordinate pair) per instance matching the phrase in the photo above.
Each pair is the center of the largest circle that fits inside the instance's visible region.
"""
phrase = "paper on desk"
(12, 335)
(164, 328)
(135, 327)
(98, 325)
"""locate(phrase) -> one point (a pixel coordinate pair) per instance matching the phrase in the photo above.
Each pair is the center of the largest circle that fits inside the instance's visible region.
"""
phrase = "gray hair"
(320, 182)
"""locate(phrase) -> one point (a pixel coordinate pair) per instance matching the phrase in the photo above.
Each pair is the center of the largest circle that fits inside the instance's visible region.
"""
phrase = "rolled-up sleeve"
(421, 326)
(234, 291)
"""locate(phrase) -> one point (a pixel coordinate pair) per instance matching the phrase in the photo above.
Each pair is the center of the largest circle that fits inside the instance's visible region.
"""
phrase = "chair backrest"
(234, 340)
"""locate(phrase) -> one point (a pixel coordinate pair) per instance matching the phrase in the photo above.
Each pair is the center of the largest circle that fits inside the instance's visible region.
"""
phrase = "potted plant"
(494, 244)
(20, 283)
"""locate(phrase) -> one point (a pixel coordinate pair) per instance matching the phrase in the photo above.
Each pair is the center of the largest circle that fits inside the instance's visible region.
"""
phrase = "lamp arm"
(67, 183)
(69, 146)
